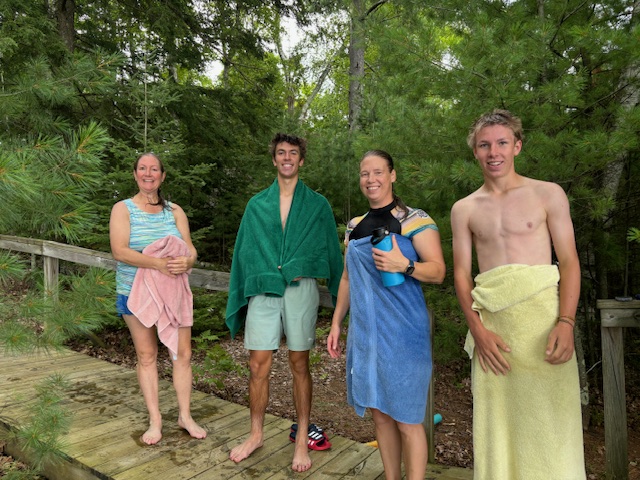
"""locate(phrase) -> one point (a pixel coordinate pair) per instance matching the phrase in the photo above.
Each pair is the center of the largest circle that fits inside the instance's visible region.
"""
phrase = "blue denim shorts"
(121, 305)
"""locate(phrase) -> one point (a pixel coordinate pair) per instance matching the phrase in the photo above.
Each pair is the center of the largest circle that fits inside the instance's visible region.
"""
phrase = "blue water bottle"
(382, 240)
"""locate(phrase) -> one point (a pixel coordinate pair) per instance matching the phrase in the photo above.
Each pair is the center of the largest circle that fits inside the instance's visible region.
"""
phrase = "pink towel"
(160, 300)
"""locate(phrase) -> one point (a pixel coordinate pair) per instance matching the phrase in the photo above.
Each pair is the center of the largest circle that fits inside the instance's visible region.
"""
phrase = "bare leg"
(389, 444)
(145, 342)
(414, 450)
(182, 382)
(302, 395)
(259, 368)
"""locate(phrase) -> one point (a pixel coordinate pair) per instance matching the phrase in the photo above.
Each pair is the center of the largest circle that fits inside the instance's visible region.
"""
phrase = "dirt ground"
(453, 436)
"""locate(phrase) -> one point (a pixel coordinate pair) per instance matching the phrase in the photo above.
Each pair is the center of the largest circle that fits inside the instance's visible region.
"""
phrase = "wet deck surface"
(109, 416)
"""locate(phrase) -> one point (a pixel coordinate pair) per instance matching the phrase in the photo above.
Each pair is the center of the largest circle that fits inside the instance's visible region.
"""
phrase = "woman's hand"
(391, 261)
(179, 265)
(333, 341)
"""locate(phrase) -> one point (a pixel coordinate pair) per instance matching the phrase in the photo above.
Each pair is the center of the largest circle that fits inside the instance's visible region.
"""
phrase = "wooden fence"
(615, 316)
(53, 252)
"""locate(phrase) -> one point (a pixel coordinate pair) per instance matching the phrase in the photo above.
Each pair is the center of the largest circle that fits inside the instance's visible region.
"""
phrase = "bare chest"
(285, 208)
(508, 216)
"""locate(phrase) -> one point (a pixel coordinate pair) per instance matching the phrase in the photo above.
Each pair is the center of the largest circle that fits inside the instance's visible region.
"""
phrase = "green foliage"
(41, 437)
(12, 267)
(209, 312)
(633, 235)
(449, 324)
(217, 362)
(50, 181)
(35, 321)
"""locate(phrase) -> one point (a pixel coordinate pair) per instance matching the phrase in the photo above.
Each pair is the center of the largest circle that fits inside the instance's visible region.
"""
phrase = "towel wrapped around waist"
(527, 424)
(388, 343)
(160, 300)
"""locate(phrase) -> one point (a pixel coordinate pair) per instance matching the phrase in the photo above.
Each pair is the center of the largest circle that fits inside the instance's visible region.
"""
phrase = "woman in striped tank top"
(135, 223)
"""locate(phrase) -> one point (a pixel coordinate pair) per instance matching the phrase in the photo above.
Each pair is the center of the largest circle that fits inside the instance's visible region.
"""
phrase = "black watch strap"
(410, 268)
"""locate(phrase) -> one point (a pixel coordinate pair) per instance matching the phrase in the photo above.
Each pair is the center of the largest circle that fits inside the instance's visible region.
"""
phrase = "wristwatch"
(410, 268)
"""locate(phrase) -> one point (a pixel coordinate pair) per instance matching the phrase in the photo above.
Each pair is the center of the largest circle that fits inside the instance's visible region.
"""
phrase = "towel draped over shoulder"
(160, 300)
(267, 259)
(526, 424)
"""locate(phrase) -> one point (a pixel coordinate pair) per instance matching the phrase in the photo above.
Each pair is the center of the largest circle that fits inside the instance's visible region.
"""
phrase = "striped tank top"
(145, 228)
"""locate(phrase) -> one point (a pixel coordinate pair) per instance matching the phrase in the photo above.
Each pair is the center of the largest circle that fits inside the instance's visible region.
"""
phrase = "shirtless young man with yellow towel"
(521, 313)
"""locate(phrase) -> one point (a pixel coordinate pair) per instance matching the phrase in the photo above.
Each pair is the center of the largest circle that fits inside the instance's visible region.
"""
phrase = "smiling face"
(376, 181)
(149, 174)
(495, 149)
(287, 160)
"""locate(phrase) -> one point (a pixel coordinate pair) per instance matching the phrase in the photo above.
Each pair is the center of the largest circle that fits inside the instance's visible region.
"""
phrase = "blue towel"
(388, 344)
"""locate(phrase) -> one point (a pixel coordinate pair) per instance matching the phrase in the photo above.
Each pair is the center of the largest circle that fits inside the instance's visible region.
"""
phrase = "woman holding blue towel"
(388, 343)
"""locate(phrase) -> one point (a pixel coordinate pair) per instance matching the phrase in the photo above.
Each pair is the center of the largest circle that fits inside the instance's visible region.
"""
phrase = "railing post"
(614, 317)
(51, 268)
(428, 416)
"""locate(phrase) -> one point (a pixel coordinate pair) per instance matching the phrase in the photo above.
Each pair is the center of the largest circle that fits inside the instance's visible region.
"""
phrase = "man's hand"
(560, 345)
(488, 346)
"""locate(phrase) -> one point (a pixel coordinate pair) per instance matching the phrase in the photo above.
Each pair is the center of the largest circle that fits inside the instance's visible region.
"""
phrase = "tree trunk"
(65, 15)
(321, 79)
(356, 64)
(613, 171)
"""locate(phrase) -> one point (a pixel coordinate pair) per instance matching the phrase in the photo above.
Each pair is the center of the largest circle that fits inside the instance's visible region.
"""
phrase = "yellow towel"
(527, 424)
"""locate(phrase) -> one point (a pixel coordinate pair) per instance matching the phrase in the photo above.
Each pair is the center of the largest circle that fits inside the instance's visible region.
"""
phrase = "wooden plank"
(429, 413)
(83, 256)
(609, 304)
(21, 244)
(443, 472)
(66, 469)
(620, 317)
(19, 406)
(276, 452)
(354, 458)
(227, 424)
(16, 389)
(319, 460)
(14, 360)
(185, 463)
(369, 468)
(50, 267)
(178, 439)
(615, 414)
(109, 415)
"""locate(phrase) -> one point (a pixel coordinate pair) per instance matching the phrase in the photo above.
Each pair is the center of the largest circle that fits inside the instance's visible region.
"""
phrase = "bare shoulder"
(178, 212)
(467, 203)
(549, 191)
(120, 208)
(176, 208)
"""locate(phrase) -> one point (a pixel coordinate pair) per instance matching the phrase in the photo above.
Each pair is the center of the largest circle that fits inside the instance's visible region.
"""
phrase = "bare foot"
(245, 449)
(195, 430)
(301, 459)
(153, 434)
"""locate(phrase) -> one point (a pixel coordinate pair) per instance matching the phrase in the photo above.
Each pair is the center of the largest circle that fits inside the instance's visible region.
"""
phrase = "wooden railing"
(614, 317)
(52, 252)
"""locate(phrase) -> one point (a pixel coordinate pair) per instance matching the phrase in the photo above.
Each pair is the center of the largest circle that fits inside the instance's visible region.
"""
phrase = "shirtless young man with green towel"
(287, 239)
(521, 313)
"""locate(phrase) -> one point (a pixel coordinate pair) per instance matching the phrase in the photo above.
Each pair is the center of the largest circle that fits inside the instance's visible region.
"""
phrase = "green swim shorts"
(294, 315)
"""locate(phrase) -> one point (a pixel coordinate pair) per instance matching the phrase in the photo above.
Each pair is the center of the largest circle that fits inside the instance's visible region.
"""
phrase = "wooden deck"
(109, 416)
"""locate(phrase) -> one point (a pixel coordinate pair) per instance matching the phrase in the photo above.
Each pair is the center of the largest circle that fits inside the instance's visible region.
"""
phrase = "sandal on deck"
(317, 440)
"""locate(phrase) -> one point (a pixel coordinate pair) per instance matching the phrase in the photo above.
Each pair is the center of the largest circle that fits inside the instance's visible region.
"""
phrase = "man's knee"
(260, 365)
(299, 362)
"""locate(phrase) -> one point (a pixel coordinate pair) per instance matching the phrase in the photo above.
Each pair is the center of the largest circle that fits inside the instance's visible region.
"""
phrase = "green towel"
(266, 259)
